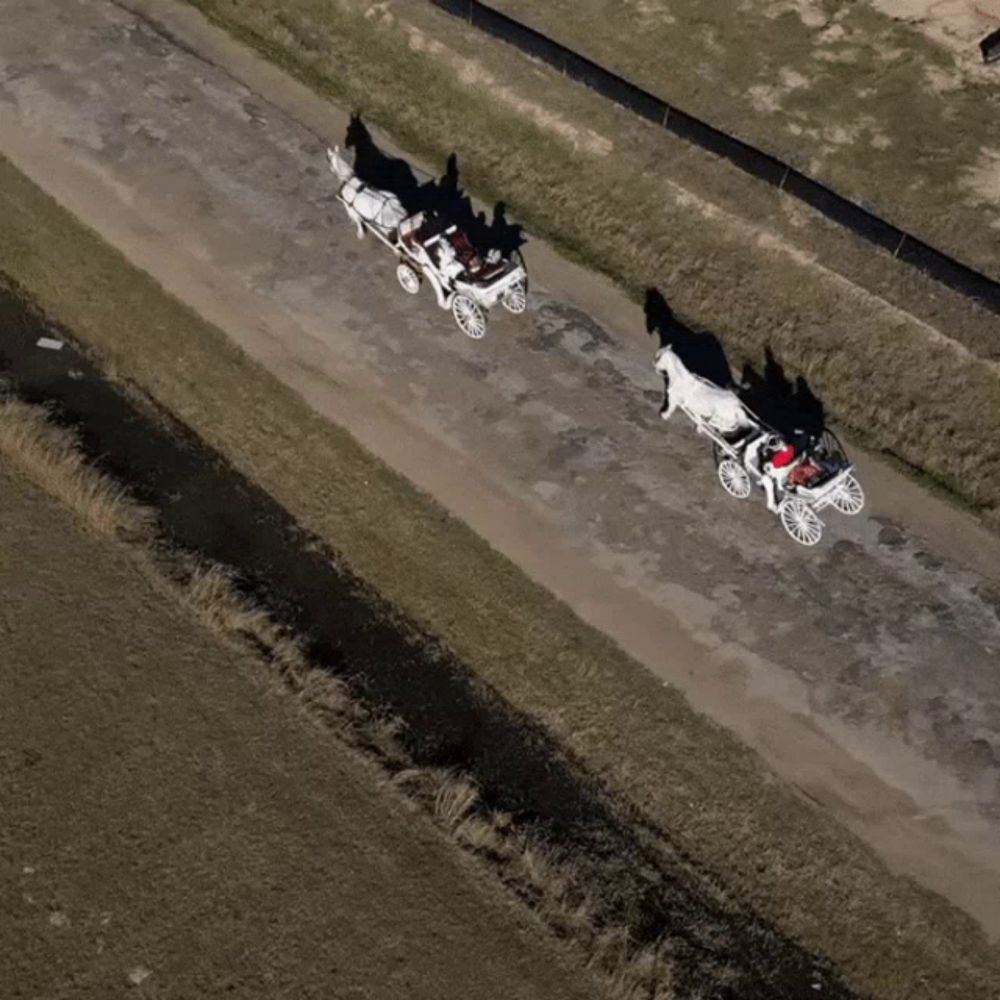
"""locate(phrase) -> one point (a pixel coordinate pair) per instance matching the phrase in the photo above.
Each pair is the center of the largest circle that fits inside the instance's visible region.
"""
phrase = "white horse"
(363, 203)
(719, 408)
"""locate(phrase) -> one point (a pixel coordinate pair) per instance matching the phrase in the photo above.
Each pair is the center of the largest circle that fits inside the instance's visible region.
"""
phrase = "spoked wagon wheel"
(516, 258)
(801, 521)
(469, 317)
(850, 497)
(515, 299)
(408, 278)
(734, 478)
(830, 448)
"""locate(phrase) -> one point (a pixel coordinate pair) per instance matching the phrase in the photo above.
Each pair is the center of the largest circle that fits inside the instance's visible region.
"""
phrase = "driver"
(450, 266)
(771, 458)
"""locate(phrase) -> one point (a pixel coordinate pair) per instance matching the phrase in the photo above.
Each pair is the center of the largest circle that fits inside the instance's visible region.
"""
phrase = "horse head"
(338, 165)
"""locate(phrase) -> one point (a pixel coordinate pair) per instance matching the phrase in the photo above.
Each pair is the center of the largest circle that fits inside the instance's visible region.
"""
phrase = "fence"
(912, 251)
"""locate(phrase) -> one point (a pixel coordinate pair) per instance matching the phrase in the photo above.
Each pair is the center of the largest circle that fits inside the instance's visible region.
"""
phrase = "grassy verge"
(49, 457)
(693, 783)
(592, 180)
(857, 99)
(174, 824)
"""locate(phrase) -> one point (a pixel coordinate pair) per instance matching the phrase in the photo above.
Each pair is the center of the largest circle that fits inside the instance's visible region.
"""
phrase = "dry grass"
(556, 888)
(455, 799)
(170, 815)
(846, 92)
(210, 591)
(553, 888)
(49, 457)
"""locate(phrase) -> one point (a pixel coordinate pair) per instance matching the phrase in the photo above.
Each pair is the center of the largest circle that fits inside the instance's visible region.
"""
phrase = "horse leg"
(669, 405)
(356, 219)
(665, 408)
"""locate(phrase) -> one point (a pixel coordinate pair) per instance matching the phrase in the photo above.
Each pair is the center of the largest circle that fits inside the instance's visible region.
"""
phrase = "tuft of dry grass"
(50, 457)
(456, 798)
(211, 592)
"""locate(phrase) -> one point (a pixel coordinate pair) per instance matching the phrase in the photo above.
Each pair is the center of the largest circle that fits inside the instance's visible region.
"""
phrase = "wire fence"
(903, 246)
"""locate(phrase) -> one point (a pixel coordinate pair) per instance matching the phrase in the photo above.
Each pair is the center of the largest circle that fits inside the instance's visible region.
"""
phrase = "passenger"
(451, 267)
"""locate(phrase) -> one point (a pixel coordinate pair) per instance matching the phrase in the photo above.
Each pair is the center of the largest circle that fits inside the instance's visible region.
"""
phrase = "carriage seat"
(411, 230)
(470, 259)
(422, 228)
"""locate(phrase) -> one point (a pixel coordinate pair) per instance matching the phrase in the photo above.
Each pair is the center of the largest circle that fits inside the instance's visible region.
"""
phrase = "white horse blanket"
(719, 409)
(380, 208)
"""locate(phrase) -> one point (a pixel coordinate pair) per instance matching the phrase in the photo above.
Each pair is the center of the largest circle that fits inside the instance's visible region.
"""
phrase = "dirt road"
(864, 671)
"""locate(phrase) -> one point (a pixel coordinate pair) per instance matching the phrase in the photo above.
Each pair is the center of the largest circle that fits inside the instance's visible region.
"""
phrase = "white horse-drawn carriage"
(747, 454)
(429, 248)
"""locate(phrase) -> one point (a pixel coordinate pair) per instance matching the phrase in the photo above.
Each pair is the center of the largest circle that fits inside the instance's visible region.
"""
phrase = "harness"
(341, 191)
(349, 195)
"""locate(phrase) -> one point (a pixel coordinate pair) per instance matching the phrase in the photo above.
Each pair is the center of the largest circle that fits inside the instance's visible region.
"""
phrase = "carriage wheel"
(518, 260)
(801, 521)
(850, 497)
(830, 448)
(469, 317)
(408, 278)
(515, 299)
(734, 478)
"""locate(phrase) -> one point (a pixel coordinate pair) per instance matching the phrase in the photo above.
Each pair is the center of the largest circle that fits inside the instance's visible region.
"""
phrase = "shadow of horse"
(378, 170)
(792, 409)
(700, 352)
(443, 195)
